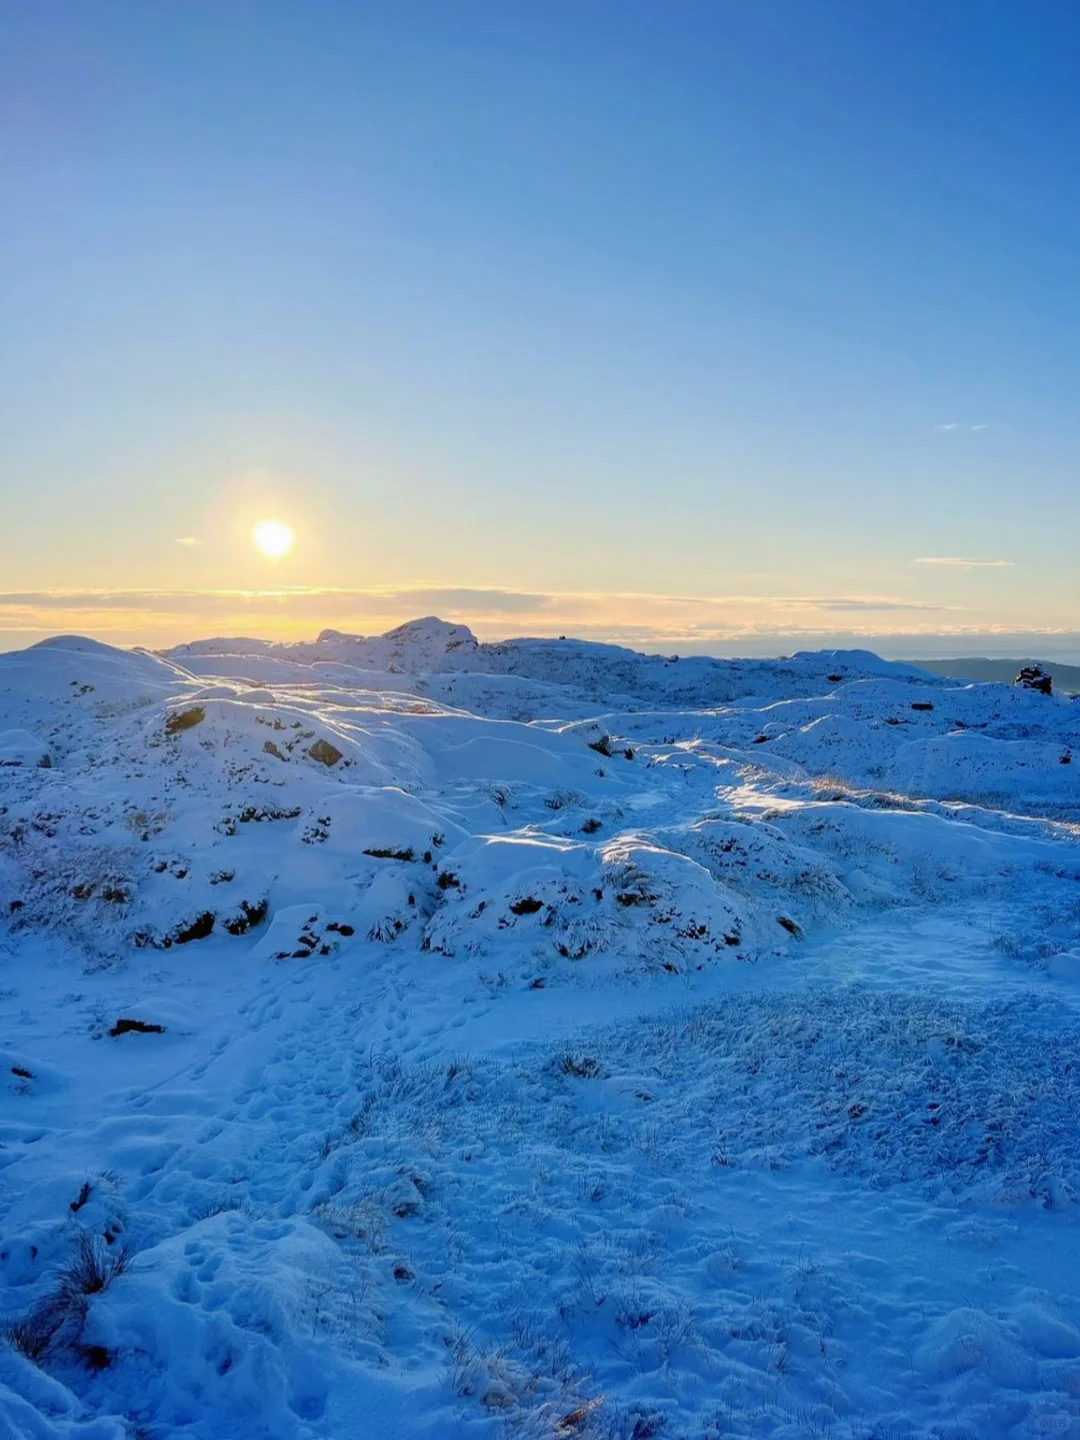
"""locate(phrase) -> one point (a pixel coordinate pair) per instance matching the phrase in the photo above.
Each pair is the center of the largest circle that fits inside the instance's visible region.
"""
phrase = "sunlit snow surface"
(556, 1042)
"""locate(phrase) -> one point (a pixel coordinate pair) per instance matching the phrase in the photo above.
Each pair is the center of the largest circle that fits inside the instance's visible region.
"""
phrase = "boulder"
(1034, 677)
(324, 752)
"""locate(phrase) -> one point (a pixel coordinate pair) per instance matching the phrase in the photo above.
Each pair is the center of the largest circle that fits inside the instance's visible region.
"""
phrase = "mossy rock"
(184, 719)
(324, 752)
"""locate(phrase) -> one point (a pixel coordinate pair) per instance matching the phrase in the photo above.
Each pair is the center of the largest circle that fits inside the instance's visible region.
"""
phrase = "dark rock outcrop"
(1034, 677)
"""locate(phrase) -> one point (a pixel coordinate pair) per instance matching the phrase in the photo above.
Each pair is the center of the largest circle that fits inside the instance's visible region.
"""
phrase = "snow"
(406, 1036)
(19, 747)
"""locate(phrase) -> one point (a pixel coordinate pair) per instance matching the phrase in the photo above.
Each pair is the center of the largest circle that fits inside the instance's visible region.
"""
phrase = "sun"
(273, 538)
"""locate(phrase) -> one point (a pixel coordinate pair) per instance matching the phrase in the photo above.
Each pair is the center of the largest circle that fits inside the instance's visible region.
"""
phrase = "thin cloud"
(950, 425)
(965, 563)
(188, 540)
(502, 602)
(416, 599)
(879, 605)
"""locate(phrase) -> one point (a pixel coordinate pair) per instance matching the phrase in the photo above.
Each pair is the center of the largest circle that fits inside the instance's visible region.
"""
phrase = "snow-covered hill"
(410, 1036)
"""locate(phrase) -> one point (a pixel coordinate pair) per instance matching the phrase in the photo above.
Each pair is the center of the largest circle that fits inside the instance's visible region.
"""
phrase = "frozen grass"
(593, 1183)
(56, 1319)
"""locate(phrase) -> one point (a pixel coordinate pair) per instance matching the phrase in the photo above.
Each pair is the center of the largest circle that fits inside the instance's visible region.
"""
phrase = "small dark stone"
(136, 1027)
(96, 1357)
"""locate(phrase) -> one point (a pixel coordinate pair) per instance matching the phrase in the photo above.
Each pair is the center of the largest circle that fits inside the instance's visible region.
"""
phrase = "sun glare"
(273, 538)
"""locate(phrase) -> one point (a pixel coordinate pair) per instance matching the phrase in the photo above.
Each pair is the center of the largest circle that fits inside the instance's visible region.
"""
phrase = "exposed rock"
(1034, 677)
(324, 752)
(527, 905)
(185, 719)
(135, 1027)
(247, 916)
(198, 929)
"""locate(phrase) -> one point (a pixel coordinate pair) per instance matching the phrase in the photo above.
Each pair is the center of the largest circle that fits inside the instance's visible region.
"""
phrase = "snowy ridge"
(534, 1038)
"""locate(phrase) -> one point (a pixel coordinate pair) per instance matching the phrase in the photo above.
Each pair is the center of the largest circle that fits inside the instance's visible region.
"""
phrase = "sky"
(727, 325)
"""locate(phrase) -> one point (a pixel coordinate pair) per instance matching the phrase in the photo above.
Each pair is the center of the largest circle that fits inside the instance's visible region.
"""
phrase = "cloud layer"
(686, 622)
(965, 563)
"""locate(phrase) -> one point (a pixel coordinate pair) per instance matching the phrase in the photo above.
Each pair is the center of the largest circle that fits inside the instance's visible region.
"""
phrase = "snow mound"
(19, 747)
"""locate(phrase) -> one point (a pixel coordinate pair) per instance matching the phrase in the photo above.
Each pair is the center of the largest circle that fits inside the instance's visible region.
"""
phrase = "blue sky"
(698, 323)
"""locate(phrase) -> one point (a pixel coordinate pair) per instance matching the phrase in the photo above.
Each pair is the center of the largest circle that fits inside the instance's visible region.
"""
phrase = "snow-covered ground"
(537, 1040)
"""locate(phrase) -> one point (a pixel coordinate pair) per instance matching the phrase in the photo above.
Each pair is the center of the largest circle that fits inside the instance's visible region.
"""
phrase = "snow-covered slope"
(409, 1036)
